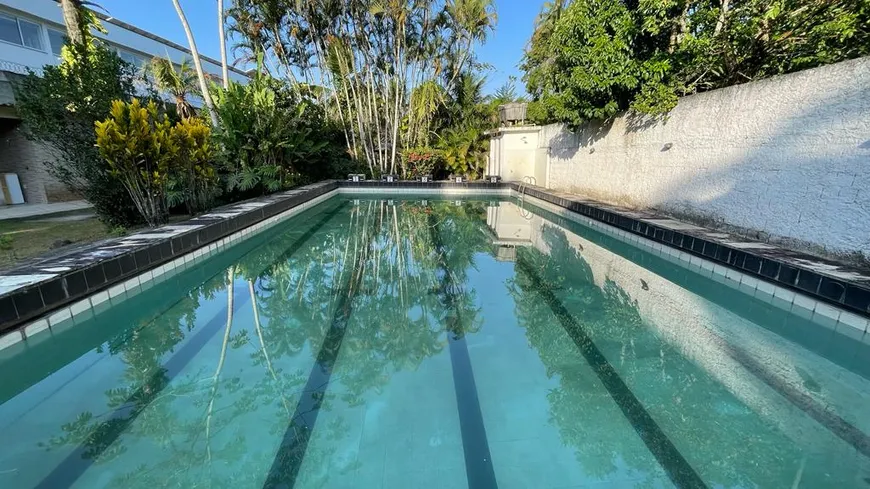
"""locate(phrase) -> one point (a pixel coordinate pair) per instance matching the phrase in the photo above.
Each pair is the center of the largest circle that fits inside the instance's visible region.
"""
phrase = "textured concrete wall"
(788, 156)
(513, 153)
(27, 159)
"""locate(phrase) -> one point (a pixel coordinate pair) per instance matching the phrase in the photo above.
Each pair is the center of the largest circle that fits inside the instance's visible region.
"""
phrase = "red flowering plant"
(417, 162)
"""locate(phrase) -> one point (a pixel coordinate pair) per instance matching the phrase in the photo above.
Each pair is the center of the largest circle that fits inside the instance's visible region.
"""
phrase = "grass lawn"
(20, 240)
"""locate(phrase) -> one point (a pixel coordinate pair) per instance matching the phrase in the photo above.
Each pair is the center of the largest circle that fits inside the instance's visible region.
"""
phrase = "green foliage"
(465, 150)
(155, 158)
(506, 94)
(59, 109)
(385, 65)
(195, 182)
(6, 241)
(417, 162)
(590, 59)
(466, 115)
(179, 83)
(272, 137)
(138, 146)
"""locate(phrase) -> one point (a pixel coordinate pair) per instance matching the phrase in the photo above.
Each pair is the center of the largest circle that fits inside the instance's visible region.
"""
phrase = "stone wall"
(787, 158)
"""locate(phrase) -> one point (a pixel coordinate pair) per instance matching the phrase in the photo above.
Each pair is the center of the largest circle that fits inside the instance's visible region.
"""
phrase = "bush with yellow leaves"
(155, 158)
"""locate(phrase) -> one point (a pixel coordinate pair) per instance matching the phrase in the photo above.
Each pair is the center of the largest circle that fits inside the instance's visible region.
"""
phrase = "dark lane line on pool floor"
(730, 299)
(291, 453)
(71, 468)
(475, 444)
(677, 467)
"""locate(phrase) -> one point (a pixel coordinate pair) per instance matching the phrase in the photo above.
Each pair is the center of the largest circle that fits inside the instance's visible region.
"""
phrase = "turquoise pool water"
(414, 343)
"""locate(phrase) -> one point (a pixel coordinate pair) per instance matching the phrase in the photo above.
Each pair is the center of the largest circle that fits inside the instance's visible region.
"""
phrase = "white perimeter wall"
(788, 156)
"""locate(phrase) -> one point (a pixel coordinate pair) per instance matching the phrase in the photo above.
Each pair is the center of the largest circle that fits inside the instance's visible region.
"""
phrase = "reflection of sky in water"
(339, 332)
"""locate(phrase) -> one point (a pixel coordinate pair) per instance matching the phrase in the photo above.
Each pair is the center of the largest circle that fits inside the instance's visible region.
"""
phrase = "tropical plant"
(417, 162)
(72, 18)
(507, 93)
(59, 110)
(141, 151)
(195, 181)
(272, 137)
(465, 150)
(465, 116)
(179, 83)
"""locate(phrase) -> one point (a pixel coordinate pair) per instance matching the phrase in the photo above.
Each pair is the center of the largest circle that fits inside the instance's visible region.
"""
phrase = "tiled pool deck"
(51, 293)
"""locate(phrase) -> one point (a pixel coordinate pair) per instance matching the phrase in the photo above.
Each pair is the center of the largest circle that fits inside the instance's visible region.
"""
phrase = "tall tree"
(373, 57)
(72, 19)
(203, 83)
(222, 36)
(590, 59)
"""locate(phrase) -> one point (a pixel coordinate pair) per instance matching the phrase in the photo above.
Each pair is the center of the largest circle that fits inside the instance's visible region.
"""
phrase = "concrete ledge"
(828, 281)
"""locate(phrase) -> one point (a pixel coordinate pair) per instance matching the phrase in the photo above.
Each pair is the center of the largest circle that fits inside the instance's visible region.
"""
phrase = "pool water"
(413, 343)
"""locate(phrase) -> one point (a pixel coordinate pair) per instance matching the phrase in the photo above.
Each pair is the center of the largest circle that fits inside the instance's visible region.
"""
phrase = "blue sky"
(503, 50)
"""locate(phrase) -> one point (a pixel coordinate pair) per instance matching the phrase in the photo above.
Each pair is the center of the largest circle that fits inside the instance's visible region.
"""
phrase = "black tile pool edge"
(93, 274)
(96, 267)
(764, 264)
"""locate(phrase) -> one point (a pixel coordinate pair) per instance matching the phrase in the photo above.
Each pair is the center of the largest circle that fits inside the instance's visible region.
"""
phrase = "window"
(57, 39)
(9, 30)
(133, 59)
(31, 34)
(21, 32)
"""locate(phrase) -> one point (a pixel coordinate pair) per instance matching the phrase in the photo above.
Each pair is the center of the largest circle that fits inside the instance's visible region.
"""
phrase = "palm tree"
(179, 84)
(472, 20)
(72, 19)
(203, 84)
(223, 41)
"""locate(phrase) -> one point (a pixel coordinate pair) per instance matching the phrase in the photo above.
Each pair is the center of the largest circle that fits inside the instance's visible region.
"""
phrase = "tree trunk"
(206, 97)
(723, 16)
(231, 275)
(223, 40)
(72, 20)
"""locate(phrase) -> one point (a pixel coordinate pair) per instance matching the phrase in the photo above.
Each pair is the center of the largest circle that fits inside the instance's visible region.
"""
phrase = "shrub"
(272, 138)
(59, 110)
(417, 162)
(140, 149)
(465, 150)
(195, 182)
(158, 162)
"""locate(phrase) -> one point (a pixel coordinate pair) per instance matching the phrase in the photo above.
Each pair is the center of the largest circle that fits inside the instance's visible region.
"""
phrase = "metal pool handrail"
(527, 180)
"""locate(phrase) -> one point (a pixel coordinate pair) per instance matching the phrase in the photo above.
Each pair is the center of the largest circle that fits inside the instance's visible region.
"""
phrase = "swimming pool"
(415, 342)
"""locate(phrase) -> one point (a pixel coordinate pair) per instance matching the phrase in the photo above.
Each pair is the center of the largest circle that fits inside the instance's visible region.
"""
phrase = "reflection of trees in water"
(732, 448)
(192, 431)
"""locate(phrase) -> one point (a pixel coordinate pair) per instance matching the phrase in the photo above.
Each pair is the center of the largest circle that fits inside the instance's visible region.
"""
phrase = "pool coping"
(106, 267)
(826, 281)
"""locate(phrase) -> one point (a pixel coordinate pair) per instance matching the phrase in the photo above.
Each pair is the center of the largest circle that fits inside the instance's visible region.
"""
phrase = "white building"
(31, 36)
